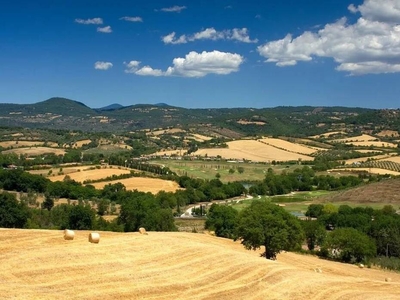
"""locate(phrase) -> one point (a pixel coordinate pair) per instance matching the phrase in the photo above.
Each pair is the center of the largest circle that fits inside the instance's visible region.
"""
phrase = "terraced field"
(40, 264)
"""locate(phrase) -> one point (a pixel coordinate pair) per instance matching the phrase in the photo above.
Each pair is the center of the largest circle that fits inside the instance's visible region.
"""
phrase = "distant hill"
(62, 113)
(113, 106)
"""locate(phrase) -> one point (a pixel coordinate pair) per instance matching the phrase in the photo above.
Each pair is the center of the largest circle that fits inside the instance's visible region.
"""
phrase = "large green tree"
(349, 245)
(222, 219)
(315, 233)
(268, 225)
(12, 212)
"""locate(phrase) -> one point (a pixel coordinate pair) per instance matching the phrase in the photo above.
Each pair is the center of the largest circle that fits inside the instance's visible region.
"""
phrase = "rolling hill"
(386, 191)
(40, 264)
(61, 113)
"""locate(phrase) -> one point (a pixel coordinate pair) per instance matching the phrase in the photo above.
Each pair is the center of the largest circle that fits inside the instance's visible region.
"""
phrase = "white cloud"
(193, 65)
(132, 66)
(238, 34)
(97, 21)
(175, 8)
(132, 19)
(241, 35)
(106, 29)
(170, 39)
(381, 10)
(149, 71)
(200, 64)
(371, 45)
(102, 65)
(352, 8)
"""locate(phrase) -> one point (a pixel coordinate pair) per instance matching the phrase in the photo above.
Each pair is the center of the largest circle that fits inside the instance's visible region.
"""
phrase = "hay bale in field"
(69, 235)
(317, 270)
(94, 237)
(142, 230)
(361, 266)
(388, 279)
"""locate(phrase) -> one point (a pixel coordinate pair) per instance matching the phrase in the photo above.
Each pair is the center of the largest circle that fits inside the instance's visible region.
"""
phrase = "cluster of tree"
(346, 234)
(356, 233)
(200, 190)
(303, 179)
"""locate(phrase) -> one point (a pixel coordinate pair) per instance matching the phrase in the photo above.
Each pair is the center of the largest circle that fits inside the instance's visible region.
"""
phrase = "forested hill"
(61, 113)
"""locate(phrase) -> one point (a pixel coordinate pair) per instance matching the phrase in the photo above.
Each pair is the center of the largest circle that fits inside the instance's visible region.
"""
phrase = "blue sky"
(202, 54)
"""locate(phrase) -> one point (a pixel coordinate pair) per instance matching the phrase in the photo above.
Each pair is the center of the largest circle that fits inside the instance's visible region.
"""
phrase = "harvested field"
(20, 144)
(363, 159)
(389, 133)
(35, 151)
(359, 138)
(143, 184)
(386, 191)
(395, 159)
(372, 143)
(252, 150)
(328, 134)
(166, 131)
(369, 170)
(40, 264)
(95, 174)
(292, 147)
(199, 137)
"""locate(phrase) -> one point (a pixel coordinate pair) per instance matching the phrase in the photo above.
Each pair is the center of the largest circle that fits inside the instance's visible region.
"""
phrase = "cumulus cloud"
(97, 21)
(132, 19)
(175, 8)
(370, 45)
(193, 65)
(102, 65)
(171, 39)
(238, 34)
(105, 29)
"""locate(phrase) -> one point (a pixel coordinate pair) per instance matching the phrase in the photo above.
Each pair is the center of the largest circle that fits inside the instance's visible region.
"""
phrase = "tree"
(12, 213)
(268, 225)
(349, 245)
(81, 217)
(315, 233)
(314, 210)
(48, 203)
(222, 219)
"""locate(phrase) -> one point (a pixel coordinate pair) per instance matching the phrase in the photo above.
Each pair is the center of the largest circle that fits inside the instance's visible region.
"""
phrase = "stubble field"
(40, 264)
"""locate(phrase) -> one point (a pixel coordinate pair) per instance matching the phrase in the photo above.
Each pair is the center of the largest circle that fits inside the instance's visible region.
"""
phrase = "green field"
(209, 169)
(299, 201)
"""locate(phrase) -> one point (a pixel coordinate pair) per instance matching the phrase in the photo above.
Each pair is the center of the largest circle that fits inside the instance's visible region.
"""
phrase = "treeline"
(303, 179)
(351, 235)
(381, 226)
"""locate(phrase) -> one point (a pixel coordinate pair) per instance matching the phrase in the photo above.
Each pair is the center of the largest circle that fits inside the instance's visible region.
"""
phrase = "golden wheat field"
(95, 174)
(143, 184)
(40, 264)
(395, 159)
(292, 147)
(359, 138)
(35, 151)
(252, 150)
(364, 159)
(370, 170)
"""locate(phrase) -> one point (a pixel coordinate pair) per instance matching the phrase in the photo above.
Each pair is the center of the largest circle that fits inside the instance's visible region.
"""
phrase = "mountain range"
(62, 113)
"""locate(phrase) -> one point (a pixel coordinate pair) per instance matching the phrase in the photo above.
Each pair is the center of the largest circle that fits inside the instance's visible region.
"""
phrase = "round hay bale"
(361, 266)
(94, 237)
(142, 230)
(69, 235)
(388, 279)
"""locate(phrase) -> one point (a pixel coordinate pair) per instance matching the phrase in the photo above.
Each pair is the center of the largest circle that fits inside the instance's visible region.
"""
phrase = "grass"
(209, 169)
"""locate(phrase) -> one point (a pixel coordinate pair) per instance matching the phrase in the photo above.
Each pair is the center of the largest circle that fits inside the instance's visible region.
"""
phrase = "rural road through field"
(188, 211)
